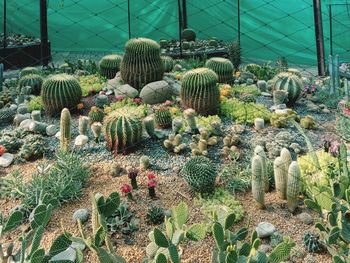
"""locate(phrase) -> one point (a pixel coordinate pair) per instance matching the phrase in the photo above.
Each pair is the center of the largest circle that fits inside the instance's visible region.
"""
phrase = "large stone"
(126, 91)
(81, 140)
(262, 85)
(25, 124)
(81, 214)
(265, 229)
(6, 159)
(156, 92)
(51, 130)
(305, 218)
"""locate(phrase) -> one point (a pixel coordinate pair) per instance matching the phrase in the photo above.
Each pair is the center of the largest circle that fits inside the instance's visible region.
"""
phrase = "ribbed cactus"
(96, 129)
(121, 131)
(83, 125)
(163, 118)
(141, 63)
(65, 129)
(280, 177)
(258, 185)
(222, 67)
(290, 83)
(96, 114)
(168, 63)
(28, 70)
(200, 174)
(34, 81)
(200, 91)
(7, 115)
(259, 150)
(101, 101)
(188, 34)
(110, 65)
(149, 123)
(60, 91)
(293, 186)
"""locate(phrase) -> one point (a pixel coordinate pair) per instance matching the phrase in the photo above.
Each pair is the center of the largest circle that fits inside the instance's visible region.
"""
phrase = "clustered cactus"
(201, 143)
(222, 67)
(290, 83)
(34, 81)
(59, 92)
(173, 143)
(141, 63)
(230, 144)
(109, 66)
(32, 148)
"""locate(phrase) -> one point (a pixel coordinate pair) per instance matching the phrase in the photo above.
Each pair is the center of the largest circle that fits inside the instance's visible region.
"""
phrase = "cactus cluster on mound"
(141, 63)
(168, 63)
(163, 118)
(122, 131)
(110, 65)
(290, 83)
(35, 81)
(200, 91)
(188, 34)
(60, 91)
(200, 174)
(222, 67)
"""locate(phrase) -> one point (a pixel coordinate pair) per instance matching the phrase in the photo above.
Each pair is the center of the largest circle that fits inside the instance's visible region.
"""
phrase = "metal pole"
(43, 33)
(1, 75)
(330, 28)
(180, 25)
(331, 75)
(239, 20)
(5, 32)
(129, 25)
(319, 38)
(184, 11)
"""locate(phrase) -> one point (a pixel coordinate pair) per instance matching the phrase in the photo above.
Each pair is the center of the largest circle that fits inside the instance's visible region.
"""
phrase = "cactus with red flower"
(132, 174)
(2, 150)
(151, 184)
(127, 190)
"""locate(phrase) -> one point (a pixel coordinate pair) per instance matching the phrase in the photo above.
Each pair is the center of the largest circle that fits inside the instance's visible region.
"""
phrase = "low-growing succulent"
(312, 242)
(33, 148)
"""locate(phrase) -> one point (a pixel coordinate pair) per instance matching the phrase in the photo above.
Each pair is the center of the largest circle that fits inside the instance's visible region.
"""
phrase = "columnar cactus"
(200, 174)
(163, 118)
(259, 150)
(280, 177)
(83, 125)
(109, 66)
(121, 131)
(190, 117)
(293, 186)
(222, 67)
(149, 123)
(200, 91)
(188, 34)
(168, 63)
(290, 83)
(35, 81)
(59, 92)
(141, 63)
(258, 185)
(65, 129)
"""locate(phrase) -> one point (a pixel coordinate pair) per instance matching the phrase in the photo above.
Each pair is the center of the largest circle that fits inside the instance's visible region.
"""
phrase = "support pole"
(43, 33)
(180, 25)
(319, 37)
(346, 90)
(330, 29)
(184, 11)
(1, 75)
(5, 27)
(336, 73)
(129, 18)
(331, 75)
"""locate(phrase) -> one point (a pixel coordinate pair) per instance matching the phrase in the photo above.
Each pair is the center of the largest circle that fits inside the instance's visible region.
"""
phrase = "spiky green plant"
(163, 118)
(122, 131)
(96, 114)
(200, 174)
(149, 123)
(168, 63)
(155, 215)
(259, 150)
(35, 81)
(28, 70)
(188, 34)
(290, 83)
(293, 186)
(141, 63)
(60, 91)
(65, 130)
(280, 177)
(258, 184)
(7, 115)
(200, 91)
(312, 242)
(110, 65)
(222, 67)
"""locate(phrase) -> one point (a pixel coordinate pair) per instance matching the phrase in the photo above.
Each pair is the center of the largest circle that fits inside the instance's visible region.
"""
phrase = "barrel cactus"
(293, 186)
(163, 118)
(200, 174)
(35, 81)
(110, 65)
(141, 63)
(168, 63)
(29, 70)
(7, 115)
(122, 131)
(60, 91)
(258, 185)
(222, 67)
(312, 242)
(188, 34)
(200, 91)
(65, 129)
(290, 83)
(96, 114)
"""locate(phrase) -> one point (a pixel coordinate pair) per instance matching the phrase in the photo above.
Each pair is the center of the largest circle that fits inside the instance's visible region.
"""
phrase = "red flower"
(2, 150)
(346, 111)
(152, 184)
(137, 100)
(126, 188)
(151, 176)
(120, 97)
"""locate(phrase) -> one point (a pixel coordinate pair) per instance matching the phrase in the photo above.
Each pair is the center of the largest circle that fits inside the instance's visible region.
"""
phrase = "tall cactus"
(109, 66)
(258, 186)
(280, 177)
(223, 67)
(65, 129)
(290, 83)
(141, 63)
(259, 150)
(293, 186)
(200, 92)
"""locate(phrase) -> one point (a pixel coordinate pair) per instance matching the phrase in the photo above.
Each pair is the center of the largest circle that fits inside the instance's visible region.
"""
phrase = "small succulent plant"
(155, 215)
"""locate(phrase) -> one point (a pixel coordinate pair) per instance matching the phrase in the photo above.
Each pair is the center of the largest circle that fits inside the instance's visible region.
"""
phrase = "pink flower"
(346, 111)
(137, 101)
(126, 188)
(120, 97)
(152, 184)
(151, 176)
(2, 150)
(168, 103)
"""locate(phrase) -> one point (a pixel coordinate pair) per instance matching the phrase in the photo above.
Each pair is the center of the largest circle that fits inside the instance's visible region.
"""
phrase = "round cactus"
(188, 34)
(200, 174)
(141, 63)
(35, 81)
(7, 115)
(258, 185)
(96, 114)
(110, 65)
(168, 63)
(122, 131)
(29, 70)
(293, 186)
(223, 67)
(60, 91)
(290, 83)
(200, 91)
(163, 118)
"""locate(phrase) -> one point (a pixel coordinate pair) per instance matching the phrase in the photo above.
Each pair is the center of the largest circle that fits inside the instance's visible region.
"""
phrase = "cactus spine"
(65, 129)
(259, 150)
(222, 67)
(280, 177)
(163, 118)
(258, 185)
(293, 186)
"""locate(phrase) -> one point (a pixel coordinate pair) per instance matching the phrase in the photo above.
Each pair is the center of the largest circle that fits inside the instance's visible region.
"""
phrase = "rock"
(58, 135)
(51, 130)
(266, 94)
(176, 88)
(326, 110)
(68, 255)
(262, 85)
(13, 106)
(156, 92)
(82, 214)
(126, 90)
(264, 248)
(265, 229)
(25, 124)
(6, 159)
(20, 117)
(305, 218)
(247, 75)
(81, 140)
